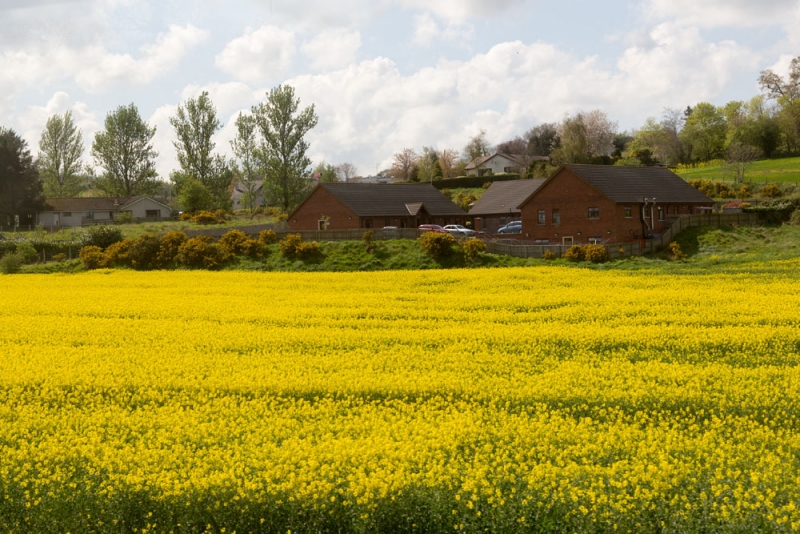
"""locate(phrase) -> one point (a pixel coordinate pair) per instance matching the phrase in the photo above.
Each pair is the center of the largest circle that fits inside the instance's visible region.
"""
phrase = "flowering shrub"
(92, 257)
(437, 244)
(168, 250)
(267, 237)
(575, 253)
(201, 251)
(472, 248)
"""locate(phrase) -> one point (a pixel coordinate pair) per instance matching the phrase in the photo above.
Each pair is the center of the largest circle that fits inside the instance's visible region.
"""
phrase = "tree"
(60, 151)
(346, 171)
(705, 131)
(246, 157)
(672, 124)
(194, 196)
(124, 149)
(599, 133)
(195, 122)
(404, 164)
(739, 156)
(574, 145)
(283, 150)
(327, 173)
(513, 146)
(542, 139)
(448, 163)
(20, 184)
(786, 92)
(427, 165)
(477, 147)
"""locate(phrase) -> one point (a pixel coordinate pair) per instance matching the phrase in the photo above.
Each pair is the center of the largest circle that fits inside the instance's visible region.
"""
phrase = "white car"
(458, 230)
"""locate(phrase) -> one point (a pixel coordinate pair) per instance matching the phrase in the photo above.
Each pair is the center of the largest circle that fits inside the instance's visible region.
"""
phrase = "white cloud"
(332, 49)
(720, 13)
(461, 9)
(427, 31)
(258, 55)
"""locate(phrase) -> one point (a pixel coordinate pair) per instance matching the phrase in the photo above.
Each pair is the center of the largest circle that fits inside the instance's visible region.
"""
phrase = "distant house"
(238, 195)
(499, 162)
(93, 210)
(607, 204)
(499, 203)
(334, 206)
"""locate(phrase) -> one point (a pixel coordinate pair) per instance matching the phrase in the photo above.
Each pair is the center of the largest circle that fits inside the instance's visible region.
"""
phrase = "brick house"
(339, 206)
(499, 203)
(607, 204)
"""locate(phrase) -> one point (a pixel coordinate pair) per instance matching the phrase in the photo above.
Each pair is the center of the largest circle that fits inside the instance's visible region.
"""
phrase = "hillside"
(780, 170)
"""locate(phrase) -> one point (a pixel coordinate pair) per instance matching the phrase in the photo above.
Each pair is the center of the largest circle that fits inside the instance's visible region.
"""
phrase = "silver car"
(458, 230)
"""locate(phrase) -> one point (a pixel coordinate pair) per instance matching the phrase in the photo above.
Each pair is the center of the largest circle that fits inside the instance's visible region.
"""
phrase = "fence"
(315, 235)
(634, 248)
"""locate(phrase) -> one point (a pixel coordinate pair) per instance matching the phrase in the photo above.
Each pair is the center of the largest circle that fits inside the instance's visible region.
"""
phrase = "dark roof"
(376, 200)
(505, 197)
(89, 203)
(634, 184)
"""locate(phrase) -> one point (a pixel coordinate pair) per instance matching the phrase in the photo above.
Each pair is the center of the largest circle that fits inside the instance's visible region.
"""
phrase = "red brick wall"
(322, 202)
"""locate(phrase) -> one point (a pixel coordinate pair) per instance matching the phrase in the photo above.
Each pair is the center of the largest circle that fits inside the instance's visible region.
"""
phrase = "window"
(66, 214)
(368, 223)
(541, 241)
(628, 212)
(673, 209)
(507, 169)
(556, 216)
(88, 215)
(594, 213)
(595, 240)
(152, 214)
(661, 215)
(446, 221)
(542, 217)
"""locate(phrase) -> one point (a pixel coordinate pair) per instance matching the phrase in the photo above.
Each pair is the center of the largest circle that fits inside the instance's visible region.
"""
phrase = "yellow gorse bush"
(528, 399)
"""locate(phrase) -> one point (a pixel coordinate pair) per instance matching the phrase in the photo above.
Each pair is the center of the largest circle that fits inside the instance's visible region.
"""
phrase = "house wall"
(493, 222)
(496, 164)
(140, 208)
(573, 197)
(322, 202)
(73, 218)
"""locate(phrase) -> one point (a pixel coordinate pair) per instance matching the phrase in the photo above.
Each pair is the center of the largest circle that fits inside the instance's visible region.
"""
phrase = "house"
(238, 195)
(498, 204)
(339, 205)
(498, 163)
(93, 210)
(607, 204)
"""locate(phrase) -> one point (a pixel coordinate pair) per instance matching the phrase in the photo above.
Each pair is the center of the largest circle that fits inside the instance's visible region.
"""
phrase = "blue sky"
(385, 74)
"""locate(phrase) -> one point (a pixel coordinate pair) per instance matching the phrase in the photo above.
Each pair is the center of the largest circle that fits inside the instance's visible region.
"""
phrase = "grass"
(781, 170)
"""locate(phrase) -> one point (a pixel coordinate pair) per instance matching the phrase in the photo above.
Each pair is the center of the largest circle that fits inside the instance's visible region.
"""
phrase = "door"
(566, 240)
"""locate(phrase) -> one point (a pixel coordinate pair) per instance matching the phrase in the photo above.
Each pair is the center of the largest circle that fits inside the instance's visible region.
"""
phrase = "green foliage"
(202, 252)
(143, 253)
(595, 253)
(472, 248)
(11, 263)
(437, 244)
(209, 217)
(92, 257)
(27, 252)
(194, 196)
(124, 148)
(103, 236)
(60, 151)
(20, 187)
(368, 238)
(548, 255)
(575, 253)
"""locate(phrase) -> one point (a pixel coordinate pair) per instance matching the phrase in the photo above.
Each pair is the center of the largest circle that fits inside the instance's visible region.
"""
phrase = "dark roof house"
(351, 205)
(499, 204)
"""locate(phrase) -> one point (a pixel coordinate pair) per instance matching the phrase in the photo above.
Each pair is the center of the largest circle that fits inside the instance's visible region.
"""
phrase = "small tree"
(60, 151)
(738, 157)
(194, 196)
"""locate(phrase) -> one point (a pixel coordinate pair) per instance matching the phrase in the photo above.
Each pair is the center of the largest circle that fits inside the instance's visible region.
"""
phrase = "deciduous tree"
(705, 131)
(20, 185)
(404, 163)
(346, 171)
(283, 129)
(246, 163)
(477, 147)
(448, 162)
(60, 152)
(124, 149)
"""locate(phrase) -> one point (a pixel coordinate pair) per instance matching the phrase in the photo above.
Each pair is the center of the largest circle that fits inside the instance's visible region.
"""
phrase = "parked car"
(431, 228)
(458, 230)
(514, 227)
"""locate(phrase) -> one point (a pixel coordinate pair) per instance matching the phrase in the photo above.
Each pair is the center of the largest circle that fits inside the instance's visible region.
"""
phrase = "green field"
(764, 171)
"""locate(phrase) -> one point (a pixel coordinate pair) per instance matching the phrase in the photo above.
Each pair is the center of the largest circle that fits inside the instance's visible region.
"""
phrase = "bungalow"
(499, 162)
(607, 204)
(93, 210)
(337, 206)
(239, 195)
(498, 204)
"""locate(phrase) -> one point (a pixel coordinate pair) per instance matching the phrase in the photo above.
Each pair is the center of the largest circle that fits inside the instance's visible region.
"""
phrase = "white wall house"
(499, 163)
(94, 210)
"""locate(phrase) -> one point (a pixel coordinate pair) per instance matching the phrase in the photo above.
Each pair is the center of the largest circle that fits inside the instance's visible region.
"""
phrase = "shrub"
(92, 257)
(437, 244)
(308, 250)
(234, 242)
(486, 185)
(575, 253)
(194, 196)
(124, 217)
(675, 252)
(143, 253)
(281, 217)
(770, 191)
(103, 236)
(26, 252)
(595, 253)
(472, 247)
(290, 244)
(795, 218)
(185, 217)
(168, 249)
(201, 251)
(549, 255)
(704, 186)
(267, 237)
(208, 217)
(59, 257)
(117, 253)
(744, 191)
(10, 263)
(368, 238)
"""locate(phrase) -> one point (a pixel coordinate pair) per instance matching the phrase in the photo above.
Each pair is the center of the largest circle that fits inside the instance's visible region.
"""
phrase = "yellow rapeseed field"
(509, 400)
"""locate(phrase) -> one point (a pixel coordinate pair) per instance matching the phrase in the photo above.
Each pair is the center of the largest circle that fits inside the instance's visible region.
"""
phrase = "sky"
(384, 75)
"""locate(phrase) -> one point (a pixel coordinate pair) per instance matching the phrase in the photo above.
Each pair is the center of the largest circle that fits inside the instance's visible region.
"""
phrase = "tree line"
(269, 153)
(767, 125)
